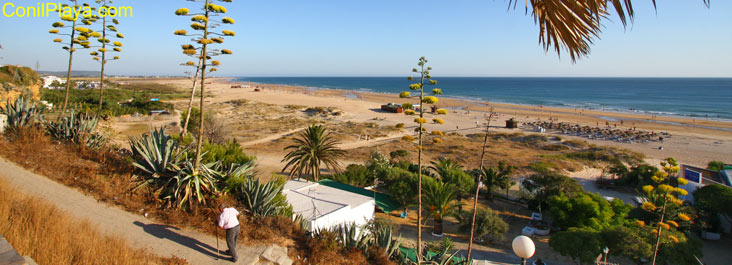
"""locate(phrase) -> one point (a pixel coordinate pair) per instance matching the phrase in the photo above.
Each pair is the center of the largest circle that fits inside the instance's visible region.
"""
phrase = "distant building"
(48, 80)
(324, 207)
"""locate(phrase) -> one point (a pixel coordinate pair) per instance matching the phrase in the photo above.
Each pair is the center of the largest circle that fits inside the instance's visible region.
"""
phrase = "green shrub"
(542, 167)
(401, 153)
(355, 175)
(715, 165)
(117, 102)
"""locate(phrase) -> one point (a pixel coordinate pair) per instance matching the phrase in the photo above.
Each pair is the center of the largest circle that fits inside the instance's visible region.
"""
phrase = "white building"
(325, 207)
(48, 80)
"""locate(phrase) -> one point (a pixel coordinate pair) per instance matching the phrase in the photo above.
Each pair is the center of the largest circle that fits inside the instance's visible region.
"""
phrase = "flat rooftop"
(312, 200)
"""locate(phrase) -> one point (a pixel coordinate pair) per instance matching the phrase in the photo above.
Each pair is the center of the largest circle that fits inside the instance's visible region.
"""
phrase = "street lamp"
(605, 250)
(523, 247)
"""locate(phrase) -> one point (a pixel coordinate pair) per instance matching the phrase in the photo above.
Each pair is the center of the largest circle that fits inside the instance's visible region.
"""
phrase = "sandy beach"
(691, 141)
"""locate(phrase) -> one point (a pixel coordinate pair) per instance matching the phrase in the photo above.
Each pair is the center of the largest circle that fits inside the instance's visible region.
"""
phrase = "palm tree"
(444, 167)
(496, 177)
(438, 199)
(573, 25)
(313, 147)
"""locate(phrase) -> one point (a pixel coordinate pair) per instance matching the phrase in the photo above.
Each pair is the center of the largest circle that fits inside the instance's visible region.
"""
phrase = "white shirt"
(228, 218)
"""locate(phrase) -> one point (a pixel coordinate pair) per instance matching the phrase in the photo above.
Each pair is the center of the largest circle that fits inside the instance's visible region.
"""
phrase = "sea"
(699, 98)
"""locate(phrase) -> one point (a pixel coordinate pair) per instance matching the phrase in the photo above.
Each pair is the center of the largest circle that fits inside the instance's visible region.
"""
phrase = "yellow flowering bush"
(430, 100)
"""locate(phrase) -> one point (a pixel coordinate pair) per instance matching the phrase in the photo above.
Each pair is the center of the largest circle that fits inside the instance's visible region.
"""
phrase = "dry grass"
(37, 229)
(517, 149)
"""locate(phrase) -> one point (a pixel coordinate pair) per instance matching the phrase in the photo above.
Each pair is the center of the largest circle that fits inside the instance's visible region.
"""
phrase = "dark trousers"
(232, 235)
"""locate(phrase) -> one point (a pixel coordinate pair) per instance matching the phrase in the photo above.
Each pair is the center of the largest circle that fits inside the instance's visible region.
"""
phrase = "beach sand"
(693, 142)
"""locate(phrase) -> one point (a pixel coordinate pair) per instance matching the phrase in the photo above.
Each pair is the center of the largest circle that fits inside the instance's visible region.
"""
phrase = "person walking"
(229, 221)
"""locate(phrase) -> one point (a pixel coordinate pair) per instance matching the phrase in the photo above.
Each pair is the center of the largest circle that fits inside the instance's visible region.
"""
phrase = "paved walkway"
(158, 238)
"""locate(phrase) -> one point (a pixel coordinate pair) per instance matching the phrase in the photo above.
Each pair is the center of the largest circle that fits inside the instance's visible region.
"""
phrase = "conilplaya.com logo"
(12, 10)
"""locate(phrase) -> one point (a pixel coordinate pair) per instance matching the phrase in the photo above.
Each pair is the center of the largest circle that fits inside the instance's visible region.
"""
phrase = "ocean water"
(703, 98)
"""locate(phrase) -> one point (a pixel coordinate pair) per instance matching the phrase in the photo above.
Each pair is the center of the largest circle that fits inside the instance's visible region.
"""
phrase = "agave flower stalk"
(103, 37)
(69, 46)
(425, 79)
(204, 25)
(193, 94)
(477, 184)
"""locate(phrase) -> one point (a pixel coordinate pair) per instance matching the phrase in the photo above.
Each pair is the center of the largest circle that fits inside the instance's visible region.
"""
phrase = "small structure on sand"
(324, 207)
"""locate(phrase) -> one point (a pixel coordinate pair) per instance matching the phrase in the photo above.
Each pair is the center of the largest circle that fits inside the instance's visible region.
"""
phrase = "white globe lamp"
(524, 247)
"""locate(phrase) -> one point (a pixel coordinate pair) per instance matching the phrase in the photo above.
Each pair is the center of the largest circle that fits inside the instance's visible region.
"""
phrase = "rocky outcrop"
(264, 255)
(16, 81)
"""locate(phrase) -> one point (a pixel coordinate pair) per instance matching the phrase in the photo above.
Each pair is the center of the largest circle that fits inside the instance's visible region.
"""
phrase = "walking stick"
(217, 243)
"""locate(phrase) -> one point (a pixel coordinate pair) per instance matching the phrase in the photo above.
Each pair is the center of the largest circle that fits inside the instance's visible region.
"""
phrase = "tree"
(204, 24)
(313, 147)
(543, 187)
(582, 210)
(103, 36)
(581, 244)
(401, 188)
(573, 25)
(450, 171)
(628, 241)
(425, 79)
(713, 199)
(715, 165)
(438, 200)
(82, 40)
(498, 177)
(487, 224)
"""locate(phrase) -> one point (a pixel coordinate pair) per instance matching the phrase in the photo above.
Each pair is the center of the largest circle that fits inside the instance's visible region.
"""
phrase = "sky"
(476, 38)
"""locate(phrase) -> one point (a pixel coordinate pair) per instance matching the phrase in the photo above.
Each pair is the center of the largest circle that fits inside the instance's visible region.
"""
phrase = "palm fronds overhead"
(572, 25)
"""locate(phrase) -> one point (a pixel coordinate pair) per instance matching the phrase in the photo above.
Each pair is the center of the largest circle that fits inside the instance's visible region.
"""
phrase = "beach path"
(156, 237)
(271, 137)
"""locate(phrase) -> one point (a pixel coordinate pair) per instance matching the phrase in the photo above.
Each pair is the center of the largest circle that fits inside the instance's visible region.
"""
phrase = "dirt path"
(158, 238)
(271, 137)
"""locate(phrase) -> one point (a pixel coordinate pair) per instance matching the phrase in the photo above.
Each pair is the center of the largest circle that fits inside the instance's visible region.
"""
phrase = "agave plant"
(22, 113)
(351, 237)
(236, 175)
(384, 238)
(260, 198)
(79, 129)
(155, 153)
(195, 184)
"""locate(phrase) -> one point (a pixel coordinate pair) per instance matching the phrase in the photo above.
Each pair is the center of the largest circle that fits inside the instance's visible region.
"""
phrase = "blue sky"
(385, 38)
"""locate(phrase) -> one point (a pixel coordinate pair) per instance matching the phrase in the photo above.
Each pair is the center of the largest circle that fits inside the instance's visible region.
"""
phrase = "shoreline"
(480, 105)
(642, 114)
